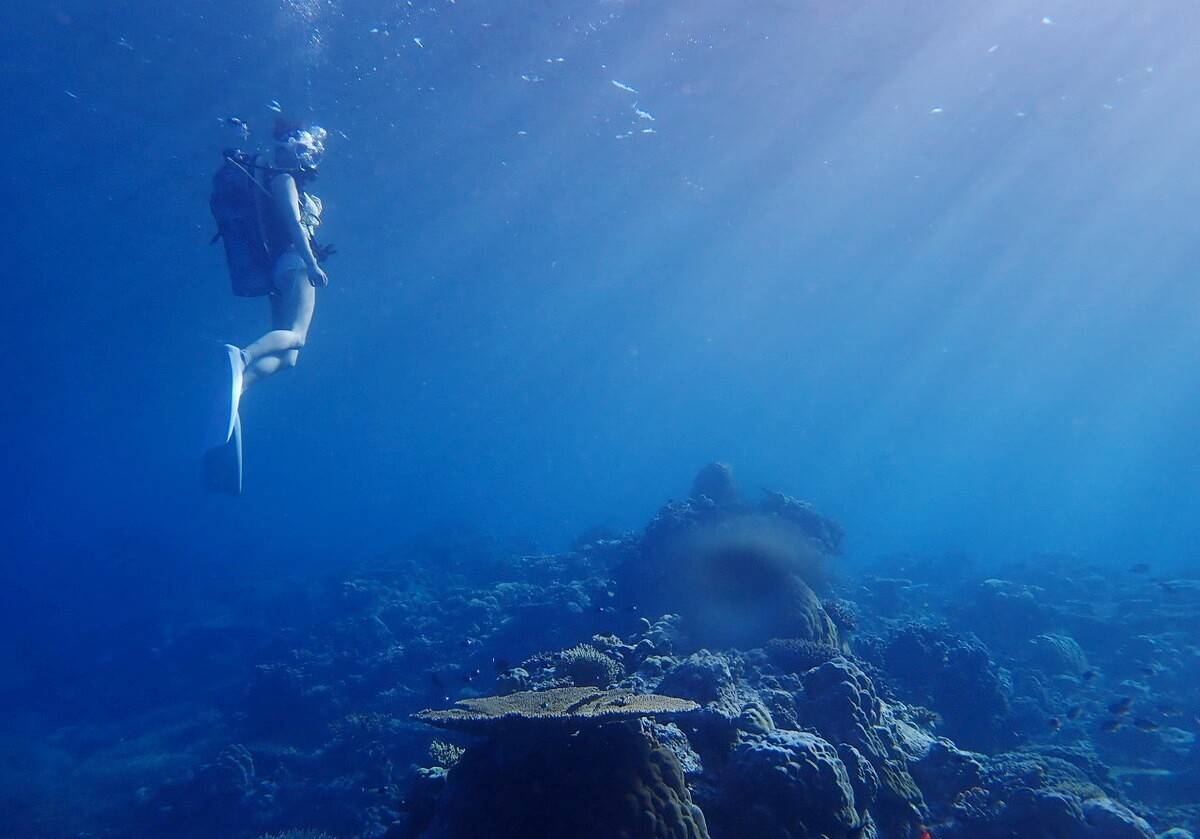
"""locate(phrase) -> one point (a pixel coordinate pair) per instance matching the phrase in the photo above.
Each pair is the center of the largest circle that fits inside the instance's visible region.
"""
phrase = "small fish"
(1145, 724)
(1047, 21)
(1075, 713)
(529, 77)
(937, 110)
(243, 127)
(1088, 675)
(622, 86)
(642, 114)
(274, 105)
(1121, 706)
(471, 675)
(1109, 726)
(471, 642)
(1140, 568)
(1055, 723)
(419, 43)
(924, 833)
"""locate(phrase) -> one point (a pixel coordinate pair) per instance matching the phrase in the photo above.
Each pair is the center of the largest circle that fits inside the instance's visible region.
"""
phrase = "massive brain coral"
(840, 701)
(546, 779)
(788, 784)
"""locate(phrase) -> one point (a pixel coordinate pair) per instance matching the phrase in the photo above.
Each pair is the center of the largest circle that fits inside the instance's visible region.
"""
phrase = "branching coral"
(583, 665)
(445, 754)
(795, 655)
(842, 613)
(586, 666)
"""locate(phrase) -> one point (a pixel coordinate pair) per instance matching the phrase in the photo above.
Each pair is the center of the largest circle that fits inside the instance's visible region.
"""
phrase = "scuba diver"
(268, 220)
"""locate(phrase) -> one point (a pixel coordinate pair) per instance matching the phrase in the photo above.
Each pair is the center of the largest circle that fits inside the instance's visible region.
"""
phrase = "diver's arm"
(287, 204)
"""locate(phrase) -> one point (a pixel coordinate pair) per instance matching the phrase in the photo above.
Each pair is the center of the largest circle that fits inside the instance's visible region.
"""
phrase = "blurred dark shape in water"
(715, 482)
(1121, 706)
(737, 575)
(744, 581)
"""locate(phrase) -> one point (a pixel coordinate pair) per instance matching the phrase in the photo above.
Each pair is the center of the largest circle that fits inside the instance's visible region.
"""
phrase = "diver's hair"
(285, 126)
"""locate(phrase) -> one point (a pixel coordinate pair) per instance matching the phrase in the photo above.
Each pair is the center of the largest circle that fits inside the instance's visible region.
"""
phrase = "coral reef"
(1020, 794)
(952, 674)
(683, 680)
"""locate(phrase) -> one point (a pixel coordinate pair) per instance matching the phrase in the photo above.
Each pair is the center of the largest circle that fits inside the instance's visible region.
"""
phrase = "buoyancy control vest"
(248, 224)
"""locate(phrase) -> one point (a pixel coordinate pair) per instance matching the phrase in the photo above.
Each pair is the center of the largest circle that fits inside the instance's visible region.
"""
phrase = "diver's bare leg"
(291, 315)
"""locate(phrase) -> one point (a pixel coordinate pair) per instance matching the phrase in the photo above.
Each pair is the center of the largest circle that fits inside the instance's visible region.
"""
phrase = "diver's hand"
(317, 276)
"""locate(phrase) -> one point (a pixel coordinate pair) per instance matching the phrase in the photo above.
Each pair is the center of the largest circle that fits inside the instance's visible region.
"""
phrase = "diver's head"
(299, 146)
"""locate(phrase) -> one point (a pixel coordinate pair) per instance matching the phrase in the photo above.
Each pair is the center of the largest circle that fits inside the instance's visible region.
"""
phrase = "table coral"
(575, 707)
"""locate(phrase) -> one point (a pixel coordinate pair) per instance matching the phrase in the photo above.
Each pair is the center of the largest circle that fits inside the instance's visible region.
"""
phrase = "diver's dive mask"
(307, 144)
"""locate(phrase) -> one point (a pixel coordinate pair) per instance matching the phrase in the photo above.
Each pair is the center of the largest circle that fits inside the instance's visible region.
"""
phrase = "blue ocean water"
(927, 265)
